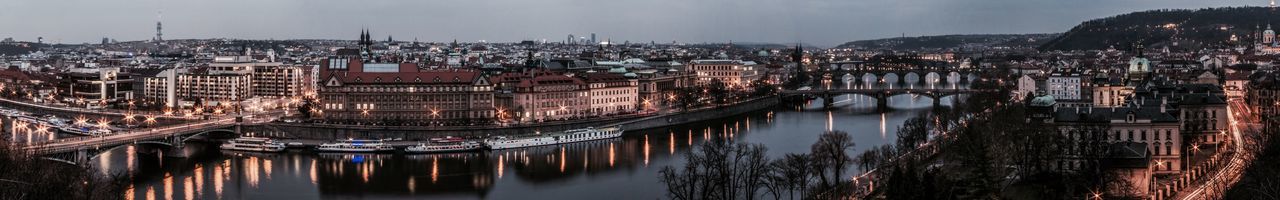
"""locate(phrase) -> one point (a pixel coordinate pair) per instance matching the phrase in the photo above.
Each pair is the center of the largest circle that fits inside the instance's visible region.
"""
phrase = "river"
(624, 168)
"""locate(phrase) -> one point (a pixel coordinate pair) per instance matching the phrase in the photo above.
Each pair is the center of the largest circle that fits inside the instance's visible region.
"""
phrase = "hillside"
(1210, 27)
(951, 42)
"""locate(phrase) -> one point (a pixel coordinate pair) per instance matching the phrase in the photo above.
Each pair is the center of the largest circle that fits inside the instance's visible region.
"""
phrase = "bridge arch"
(890, 78)
(911, 78)
(932, 78)
(953, 77)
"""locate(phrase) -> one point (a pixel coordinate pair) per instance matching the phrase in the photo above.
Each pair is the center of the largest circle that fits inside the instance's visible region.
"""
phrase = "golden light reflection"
(188, 191)
(562, 161)
(151, 193)
(501, 161)
(831, 123)
(128, 192)
(314, 179)
(168, 185)
(671, 149)
(217, 180)
(882, 124)
(266, 167)
(435, 170)
(251, 170)
(646, 150)
(612, 154)
(128, 157)
(690, 137)
(199, 175)
(412, 186)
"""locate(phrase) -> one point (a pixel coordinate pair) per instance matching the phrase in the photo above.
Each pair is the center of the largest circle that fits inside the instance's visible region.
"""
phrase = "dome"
(1043, 101)
(630, 75)
(1139, 64)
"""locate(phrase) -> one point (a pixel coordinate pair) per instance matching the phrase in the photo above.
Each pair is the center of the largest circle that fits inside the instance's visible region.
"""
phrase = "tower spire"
(159, 33)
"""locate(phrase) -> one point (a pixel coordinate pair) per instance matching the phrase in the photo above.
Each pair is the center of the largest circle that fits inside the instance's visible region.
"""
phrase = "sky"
(819, 22)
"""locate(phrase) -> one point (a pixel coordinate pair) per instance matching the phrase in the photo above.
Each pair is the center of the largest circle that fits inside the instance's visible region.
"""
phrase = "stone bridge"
(881, 95)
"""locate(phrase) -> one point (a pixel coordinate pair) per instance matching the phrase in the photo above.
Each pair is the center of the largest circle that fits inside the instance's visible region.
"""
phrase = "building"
(1064, 85)
(734, 73)
(657, 86)
(1153, 126)
(401, 93)
(611, 93)
(1204, 118)
(545, 96)
(95, 87)
(199, 87)
(1263, 94)
(228, 79)
(1026, 87)
(1110, 91)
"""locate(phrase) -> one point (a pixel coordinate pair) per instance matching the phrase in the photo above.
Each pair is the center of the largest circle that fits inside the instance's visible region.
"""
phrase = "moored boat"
(444, 147)
(569, 136)
(355, 145)
(255, 144)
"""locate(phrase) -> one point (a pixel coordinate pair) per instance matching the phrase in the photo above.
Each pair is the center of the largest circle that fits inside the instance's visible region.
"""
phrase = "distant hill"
(951, 42)
(1210, 27)
(18, 48)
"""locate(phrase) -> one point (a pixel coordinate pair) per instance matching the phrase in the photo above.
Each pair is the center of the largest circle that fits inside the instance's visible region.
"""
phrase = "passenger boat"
(354, 145)
(569, 136)
(255, 144)
(444, 147)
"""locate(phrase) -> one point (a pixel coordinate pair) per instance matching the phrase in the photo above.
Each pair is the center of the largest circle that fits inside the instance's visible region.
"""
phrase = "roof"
(604, 78)
(1201, 99)
(1086, 115)
(407, 73)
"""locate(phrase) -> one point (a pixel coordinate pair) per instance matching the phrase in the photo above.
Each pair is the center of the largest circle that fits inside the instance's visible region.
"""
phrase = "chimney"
(1163, 103)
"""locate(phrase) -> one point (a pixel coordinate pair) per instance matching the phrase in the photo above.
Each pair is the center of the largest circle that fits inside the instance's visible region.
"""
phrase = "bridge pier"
(81, 157)
(882, 102)
(176, 150)
(828, 101)
(937, 102)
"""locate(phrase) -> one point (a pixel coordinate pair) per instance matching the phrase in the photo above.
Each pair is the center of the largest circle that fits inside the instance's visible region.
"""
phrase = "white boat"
(444, 147)
(569, 136)
(354, 145)
(253, 144)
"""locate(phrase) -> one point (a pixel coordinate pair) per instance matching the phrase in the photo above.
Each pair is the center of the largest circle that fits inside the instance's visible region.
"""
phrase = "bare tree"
(831, 157)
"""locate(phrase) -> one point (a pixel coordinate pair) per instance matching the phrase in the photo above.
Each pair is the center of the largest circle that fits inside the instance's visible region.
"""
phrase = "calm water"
(620, 168)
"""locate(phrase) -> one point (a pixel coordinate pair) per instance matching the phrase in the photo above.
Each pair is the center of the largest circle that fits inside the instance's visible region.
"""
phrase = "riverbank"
(333, 132)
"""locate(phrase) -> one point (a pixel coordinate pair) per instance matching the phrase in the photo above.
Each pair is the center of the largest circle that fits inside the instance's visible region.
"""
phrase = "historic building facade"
(352, 90)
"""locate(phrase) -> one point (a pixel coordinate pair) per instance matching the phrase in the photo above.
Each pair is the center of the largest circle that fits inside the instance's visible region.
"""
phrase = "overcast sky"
(822, 22)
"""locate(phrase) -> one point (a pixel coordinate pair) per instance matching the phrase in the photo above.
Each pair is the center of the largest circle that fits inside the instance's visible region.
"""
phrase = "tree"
(830, 157)
(716, 89)
(913, 133)
(718, 170)
(305, 108)
(792, 173)
(27, 176)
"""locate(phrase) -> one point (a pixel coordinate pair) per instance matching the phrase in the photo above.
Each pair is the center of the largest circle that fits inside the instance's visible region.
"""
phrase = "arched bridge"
(169, 140)
(882, 95)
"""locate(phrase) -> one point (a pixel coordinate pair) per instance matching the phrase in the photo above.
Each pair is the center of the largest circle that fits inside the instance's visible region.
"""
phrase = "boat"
(447, 139)
(355, 145)
(255, 144)
(569, 136)
(444, 147)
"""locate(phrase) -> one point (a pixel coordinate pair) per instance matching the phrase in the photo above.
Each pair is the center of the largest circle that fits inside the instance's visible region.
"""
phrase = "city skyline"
(823, 23)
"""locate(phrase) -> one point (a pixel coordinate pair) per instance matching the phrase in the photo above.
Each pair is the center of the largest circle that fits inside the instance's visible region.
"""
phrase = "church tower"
(1269, 36)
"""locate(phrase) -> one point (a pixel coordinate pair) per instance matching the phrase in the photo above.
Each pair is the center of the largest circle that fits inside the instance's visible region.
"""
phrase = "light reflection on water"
(588, 170)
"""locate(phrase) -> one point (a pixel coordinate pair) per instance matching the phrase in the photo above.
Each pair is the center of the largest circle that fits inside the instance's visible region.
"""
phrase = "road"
(71, 144)
(1229, 174)
(90, 111)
